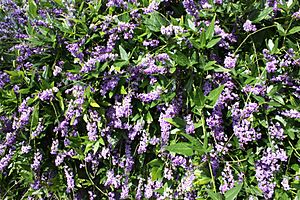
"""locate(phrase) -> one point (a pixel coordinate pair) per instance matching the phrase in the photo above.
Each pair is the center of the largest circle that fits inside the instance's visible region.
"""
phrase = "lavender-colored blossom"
(153, 6)
(230, 61)
(165, 126)
(92, 196)
(25, 149)
(143, 143)
(241, 125)
(10, 138)
(248, 26)
(257, 89)
(112, 180)
(4, 78)
(139, 191)
(57, 70)
(148, 193)
(70, 179)
(227, 178)
(149, 97)
(285, 184)
(151, 43)
(189, 127)
(39, 129)
(276, 131)
(136, 129)
(54, 147)
(266, 168)
(5, 160)
(296, 15)
(59, 159)
(37, 161)
(109, 83)
(125, 192)
(191, 8)
(92, 131)
(75, 51)
(46, 95)
(291, 114)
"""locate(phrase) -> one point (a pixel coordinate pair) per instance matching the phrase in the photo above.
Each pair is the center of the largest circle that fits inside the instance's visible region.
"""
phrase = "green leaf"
(214, 196)
(192, 25)
(202, 40)
(199, 99)
(294, 30)
(181, 59)
(34, 117)
(264, 14)
(214, 95)
(149, 118)
(155, 22)
(280, 29)
(233, 192)
(155, 162)
(176, 121)
(96, 146)
(182, 148)
(212, 42)
(156, 173)
(124, 55)
(94, 104)
(211, 29)
(32, 8)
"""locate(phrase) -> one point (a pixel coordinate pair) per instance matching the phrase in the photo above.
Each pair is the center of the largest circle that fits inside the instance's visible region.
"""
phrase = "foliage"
(149, 99)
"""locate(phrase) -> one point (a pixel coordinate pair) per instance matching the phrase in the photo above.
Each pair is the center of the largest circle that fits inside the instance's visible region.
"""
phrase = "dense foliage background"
(158, 99)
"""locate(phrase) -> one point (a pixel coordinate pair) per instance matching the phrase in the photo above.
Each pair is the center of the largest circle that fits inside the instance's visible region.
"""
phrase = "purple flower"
(5, 160)
(46, 95)
(189, 128)
(54, 147)
(57, 70)
(149, 97)
(285, 184)
(70, 179)
(39, 129)
(112, 180)
(266, 168)
(228, 179)
(291, 114)
(271, 66)
(4, 78)
(151, 43)
(276, 131)
(92, 131)
(230, 61)
(248, 26)
(153, 6)
(296, 15)
(37, 161)
(191, 8)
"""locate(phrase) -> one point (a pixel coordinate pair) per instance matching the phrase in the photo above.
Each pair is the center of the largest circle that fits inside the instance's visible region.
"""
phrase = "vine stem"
(267, 27)
(212, 177)
(89, 176)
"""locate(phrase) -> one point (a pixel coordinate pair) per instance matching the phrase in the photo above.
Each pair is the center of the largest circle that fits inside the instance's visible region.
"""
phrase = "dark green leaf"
(212, 42)
(211, 29)
(124, 55)
(214, 95)
(214, 196)
(182, 148)
(176, 121)
(32, 8)
(233, 192)
(264, 14)
(294, 30)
